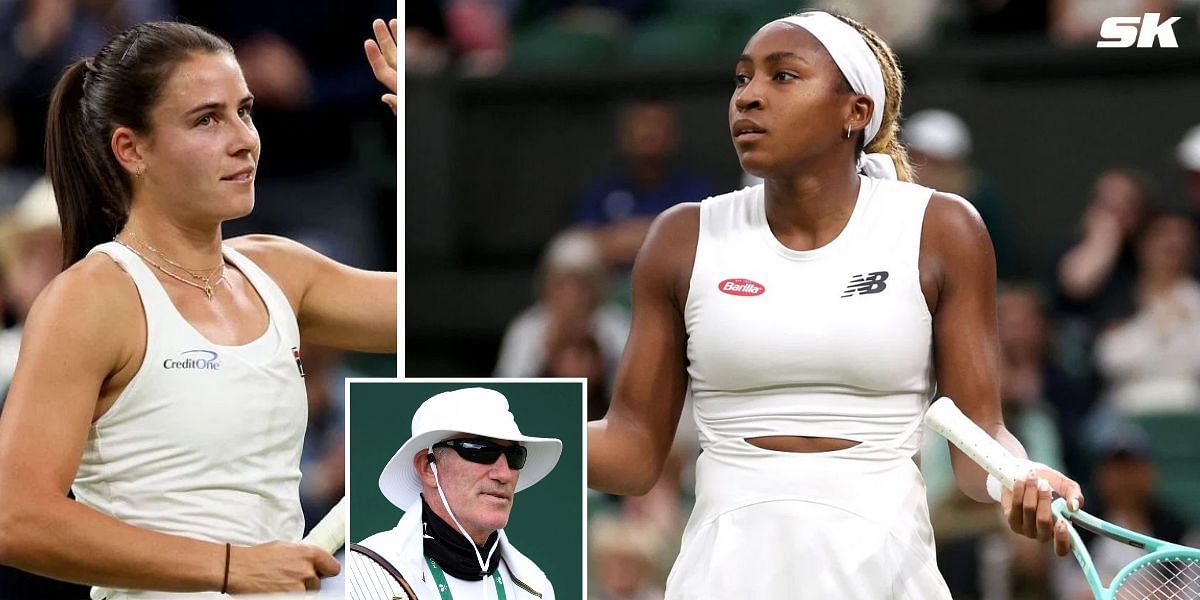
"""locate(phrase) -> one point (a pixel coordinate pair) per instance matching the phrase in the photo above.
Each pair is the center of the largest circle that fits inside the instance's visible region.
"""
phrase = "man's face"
(481, 496)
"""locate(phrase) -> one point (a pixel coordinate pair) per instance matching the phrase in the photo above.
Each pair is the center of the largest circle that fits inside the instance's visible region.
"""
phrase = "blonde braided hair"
(887, 141)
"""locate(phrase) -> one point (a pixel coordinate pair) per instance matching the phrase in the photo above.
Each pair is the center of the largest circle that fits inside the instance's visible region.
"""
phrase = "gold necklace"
(206, 286)
(197, 274)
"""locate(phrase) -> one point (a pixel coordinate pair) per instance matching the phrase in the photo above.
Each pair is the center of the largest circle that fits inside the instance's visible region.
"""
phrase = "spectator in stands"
(39, 38)
(623, 556)
(619, 206)
(14, 180)
(1096, 276)
(570, 298)
(1151, 361)
(426, 45)
(905, 25)
(610, 15)
(1188, 154)
(1125, 482)
(30, 256)
(939, 145)
(574, 352)
(1036, 391)
(474, 34)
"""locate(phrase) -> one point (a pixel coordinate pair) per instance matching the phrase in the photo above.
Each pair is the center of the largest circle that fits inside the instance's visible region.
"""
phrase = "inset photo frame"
(431, 466)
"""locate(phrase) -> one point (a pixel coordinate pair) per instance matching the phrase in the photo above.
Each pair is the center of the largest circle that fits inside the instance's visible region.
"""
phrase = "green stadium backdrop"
(547, 519)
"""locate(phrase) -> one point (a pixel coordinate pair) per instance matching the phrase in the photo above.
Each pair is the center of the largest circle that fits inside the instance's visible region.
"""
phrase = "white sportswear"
(833, 342)
(205, 440)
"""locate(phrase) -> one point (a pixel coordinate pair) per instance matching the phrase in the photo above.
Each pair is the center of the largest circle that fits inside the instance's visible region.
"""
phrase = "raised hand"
(381, 53)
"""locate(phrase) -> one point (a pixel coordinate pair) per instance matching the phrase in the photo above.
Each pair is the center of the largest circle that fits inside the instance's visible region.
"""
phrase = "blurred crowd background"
(328, 176)
(546, 134)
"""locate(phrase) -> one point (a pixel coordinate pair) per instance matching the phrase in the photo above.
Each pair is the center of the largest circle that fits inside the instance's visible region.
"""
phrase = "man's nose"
(501, 471)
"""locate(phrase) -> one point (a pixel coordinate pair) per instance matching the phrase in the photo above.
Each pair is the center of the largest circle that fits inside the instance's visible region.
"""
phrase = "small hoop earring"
(847, 131)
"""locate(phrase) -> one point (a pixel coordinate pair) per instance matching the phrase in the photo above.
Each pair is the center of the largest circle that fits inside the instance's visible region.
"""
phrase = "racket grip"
(946, 419)
(330, 533)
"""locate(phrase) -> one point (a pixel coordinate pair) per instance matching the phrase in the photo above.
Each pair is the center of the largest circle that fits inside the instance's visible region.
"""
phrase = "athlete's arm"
(85, 327)
(335, 305)
(627, 448)
(958, 272)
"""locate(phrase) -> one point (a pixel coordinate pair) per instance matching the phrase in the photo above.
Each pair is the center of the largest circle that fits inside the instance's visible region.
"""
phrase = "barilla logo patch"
(200, 360)
(741, 287)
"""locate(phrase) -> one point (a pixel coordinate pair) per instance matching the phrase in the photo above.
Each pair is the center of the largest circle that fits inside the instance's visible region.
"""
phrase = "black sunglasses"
(485, 452)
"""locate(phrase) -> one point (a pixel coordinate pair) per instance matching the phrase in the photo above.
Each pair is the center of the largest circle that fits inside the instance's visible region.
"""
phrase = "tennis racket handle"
(945, 418)
(330, 533)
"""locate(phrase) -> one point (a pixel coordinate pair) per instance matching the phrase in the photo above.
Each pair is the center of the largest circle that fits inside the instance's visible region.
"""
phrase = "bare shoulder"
(271, 250)
(669, 251)
(683, 218)
(94, 284)
(93, 304)
(288, 262)
(672, 231)
(952, 218)
(955, 245)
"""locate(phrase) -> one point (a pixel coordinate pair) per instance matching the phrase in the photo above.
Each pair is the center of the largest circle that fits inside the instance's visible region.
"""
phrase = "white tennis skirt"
(847, 524)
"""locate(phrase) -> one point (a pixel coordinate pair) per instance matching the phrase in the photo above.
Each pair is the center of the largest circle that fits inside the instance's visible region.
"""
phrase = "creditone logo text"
(200, 360)
(741, 287)
(1122, 32)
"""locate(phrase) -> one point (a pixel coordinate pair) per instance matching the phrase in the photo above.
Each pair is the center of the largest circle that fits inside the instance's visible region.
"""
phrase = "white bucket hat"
(1188, 151)
(477, 411)
(938, 133)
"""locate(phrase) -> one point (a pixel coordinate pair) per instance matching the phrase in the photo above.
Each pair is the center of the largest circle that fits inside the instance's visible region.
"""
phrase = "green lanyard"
(444, 588)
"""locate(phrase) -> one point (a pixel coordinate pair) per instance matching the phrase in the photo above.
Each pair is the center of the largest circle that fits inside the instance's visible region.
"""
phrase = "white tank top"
(205, 440)
(831, 342)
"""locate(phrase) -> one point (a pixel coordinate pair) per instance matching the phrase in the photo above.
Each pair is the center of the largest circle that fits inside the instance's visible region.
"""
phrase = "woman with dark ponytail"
(160, 376)
(812, 318)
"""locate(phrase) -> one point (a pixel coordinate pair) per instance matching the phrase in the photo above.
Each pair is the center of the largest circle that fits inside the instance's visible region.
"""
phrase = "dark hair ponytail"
(118, 87)
(93, 199)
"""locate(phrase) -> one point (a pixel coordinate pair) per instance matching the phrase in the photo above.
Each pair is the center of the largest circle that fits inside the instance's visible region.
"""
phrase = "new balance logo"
(871, 283)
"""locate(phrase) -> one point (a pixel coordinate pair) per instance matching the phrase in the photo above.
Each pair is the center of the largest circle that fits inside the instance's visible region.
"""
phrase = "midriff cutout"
(800, 443)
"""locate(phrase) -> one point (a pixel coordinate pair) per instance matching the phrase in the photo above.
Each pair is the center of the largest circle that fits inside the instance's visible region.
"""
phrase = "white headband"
(860, 67)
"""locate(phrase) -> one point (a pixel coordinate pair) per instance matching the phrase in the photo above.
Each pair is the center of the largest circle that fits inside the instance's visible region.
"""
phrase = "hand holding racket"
(287, 566)
(1166, 571)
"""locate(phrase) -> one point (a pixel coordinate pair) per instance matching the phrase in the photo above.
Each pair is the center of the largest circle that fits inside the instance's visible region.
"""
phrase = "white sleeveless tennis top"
(831, 342)
(205, 440)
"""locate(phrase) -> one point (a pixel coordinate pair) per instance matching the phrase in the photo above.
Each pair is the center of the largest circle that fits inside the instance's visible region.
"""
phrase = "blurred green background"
(547, 519)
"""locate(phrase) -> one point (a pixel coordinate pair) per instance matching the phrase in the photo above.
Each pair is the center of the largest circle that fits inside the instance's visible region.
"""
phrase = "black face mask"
(451, 550)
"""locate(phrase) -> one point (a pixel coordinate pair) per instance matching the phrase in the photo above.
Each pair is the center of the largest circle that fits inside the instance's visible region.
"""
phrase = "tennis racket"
(1167, 571)
(371, 577)
(329, 534)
